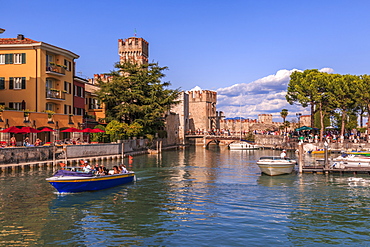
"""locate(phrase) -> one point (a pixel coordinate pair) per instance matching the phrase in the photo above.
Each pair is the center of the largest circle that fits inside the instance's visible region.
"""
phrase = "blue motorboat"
(71, 180)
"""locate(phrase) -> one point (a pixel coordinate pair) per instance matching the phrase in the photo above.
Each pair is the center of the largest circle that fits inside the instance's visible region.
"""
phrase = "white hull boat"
(243, 146)
(350, 161)
(274, 165)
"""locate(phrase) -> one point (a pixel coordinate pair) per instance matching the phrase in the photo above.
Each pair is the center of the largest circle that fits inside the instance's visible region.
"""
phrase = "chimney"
(20, 37)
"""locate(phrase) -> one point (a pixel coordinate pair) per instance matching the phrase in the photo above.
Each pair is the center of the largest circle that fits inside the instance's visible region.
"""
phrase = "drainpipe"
(36, 95)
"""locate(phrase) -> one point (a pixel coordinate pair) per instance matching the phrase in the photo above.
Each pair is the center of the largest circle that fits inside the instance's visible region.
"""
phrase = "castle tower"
(134, 50)
(202, 110)
(265, 118)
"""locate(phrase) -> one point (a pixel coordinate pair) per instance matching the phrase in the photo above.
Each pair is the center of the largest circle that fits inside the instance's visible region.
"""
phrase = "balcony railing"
(55, 94)
(54, 69)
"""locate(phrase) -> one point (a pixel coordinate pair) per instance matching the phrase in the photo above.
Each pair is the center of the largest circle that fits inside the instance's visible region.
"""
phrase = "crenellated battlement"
(202, 96)
(133, 50)
(100, 77)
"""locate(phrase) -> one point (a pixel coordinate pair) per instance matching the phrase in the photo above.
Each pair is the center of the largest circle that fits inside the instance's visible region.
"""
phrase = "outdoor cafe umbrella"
(12, 129)
(88, 130)
(46, 129)
(26, 130)
(71, 130)
(96, 130)
(304, 128)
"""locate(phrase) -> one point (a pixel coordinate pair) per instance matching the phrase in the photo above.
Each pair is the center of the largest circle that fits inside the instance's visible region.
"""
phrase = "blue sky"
(211, 44)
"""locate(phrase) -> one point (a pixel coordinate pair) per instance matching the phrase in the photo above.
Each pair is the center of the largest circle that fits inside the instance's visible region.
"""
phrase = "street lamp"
(2, 30)
(299, 119)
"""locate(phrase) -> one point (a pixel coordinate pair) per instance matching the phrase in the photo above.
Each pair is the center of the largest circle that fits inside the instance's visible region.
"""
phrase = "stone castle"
(196, 113)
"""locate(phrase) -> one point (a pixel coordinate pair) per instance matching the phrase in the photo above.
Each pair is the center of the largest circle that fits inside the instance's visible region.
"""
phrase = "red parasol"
(28, 130)
(71, 130)
(12, 129)
(88, 130)
(46, 129)
(98, 130)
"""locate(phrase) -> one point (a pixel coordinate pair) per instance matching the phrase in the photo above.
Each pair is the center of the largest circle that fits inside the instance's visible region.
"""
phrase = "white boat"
(275, 165)
(348, 161)
(240, 145)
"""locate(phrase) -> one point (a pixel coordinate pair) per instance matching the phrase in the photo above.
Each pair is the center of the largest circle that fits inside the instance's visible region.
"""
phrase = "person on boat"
(123, 168)
(283, 154)
(101, 171)
(115, 170)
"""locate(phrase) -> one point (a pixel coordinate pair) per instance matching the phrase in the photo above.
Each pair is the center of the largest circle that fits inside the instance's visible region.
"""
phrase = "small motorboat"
(241, 145)
(350, 161)
(275, 165)
(77, 179)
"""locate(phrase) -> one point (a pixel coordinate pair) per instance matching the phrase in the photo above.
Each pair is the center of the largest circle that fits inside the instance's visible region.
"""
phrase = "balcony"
(54, 94)
(55, 70)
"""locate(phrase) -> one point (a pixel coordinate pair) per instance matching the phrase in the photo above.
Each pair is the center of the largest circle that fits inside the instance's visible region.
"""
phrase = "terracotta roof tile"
(17, 41)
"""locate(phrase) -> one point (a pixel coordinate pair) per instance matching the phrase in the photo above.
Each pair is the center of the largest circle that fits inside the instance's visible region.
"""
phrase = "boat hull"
(243, 146)
(276, 169)
(81, 184)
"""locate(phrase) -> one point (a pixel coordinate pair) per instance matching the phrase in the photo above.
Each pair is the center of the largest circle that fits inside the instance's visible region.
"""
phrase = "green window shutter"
(11, 82)
(23, 82)
(23, 58)
(2, 82)
(9, 58)
(11, 105)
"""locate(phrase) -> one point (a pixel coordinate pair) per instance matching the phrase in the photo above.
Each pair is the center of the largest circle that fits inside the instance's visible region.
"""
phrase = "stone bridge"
(207, 139)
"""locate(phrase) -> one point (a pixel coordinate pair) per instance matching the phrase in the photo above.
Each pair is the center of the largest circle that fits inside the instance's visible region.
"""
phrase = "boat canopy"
(73, 173)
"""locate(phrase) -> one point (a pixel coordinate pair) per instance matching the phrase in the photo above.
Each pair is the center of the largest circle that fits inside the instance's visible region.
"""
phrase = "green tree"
(284, 114)
(342, 90)
(135, 94)
(363, 95)
(99, 137)
(303, 89)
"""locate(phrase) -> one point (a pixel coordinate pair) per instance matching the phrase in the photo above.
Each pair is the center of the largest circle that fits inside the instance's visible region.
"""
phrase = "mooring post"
(300, 157)
(123, 150)
(326, 160)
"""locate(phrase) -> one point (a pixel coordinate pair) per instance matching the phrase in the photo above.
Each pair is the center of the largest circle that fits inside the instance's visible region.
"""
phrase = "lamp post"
(299, 118)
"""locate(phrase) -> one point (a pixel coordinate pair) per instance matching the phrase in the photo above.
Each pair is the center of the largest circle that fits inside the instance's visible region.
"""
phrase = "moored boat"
(350, 161)
(241, 145)
(275, 165)
(76, 179)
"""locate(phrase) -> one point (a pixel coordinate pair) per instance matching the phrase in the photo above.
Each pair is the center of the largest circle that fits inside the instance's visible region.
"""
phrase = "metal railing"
(55, 94)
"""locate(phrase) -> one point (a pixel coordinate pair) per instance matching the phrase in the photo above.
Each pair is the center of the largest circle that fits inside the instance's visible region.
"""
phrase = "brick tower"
(134, 50)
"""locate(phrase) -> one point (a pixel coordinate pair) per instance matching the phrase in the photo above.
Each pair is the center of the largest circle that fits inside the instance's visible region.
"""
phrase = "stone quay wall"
(25, 154)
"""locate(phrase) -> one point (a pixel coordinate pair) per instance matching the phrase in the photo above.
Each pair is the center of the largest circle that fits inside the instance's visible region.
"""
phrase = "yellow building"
(37, 77)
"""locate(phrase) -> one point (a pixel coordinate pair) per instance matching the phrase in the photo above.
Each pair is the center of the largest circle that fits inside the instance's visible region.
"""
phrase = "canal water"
(192, 197)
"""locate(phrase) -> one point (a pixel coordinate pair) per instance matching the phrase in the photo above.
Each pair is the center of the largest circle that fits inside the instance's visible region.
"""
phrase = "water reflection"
(216, 196)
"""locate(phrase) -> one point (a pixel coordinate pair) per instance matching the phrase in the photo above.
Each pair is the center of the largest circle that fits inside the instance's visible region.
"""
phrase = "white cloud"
(265, 95)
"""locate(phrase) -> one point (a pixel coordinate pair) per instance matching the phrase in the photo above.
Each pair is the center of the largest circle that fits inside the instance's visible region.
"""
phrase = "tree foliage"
(330, 94)
(136, 97)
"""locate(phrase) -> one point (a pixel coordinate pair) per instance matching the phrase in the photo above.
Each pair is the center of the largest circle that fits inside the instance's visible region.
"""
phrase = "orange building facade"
(37, 78)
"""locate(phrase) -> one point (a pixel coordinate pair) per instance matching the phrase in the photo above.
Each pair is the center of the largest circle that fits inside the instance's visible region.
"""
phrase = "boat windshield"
(273, 158)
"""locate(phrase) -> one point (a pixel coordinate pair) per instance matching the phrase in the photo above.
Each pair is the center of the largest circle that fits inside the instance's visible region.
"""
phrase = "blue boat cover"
(73, 173)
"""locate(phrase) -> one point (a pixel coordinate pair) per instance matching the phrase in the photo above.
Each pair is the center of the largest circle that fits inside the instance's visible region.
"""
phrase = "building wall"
(179, 120)
(36, 71)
